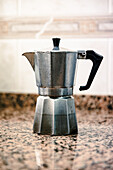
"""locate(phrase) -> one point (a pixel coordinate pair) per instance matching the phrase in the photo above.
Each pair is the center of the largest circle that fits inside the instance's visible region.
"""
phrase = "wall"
(30, 25)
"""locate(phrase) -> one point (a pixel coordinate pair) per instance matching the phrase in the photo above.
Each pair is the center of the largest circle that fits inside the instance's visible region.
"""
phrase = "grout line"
(19, 8)
(110, 7)
(109, 66)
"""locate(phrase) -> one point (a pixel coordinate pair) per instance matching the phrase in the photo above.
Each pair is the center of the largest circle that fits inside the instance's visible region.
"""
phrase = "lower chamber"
(55, 116)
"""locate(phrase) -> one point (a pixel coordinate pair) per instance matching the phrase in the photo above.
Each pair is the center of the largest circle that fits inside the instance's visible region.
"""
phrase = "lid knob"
(56, 42)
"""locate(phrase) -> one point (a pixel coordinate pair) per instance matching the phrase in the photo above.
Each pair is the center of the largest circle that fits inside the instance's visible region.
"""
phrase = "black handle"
(96, 59)
(56, 42)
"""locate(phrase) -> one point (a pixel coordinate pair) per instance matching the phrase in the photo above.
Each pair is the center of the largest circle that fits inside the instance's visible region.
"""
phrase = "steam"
(44, 27)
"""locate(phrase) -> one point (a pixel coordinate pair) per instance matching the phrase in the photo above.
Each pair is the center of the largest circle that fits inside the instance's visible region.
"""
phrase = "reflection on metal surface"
(55, 69)
(54, 149)
(38, 157)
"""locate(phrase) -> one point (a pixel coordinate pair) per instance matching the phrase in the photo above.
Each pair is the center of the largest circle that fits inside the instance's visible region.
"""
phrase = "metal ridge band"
(55, 91)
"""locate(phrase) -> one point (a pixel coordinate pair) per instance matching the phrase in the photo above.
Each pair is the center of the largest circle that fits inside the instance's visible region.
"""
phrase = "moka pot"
(55, 72)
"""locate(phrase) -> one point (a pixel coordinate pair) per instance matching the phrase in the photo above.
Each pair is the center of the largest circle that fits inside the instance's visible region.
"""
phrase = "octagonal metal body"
(55, 72)
(55, 116)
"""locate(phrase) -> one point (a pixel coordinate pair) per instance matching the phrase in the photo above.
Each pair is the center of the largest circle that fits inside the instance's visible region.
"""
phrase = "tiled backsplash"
(30, 25)
(55, 8)
(65, 27)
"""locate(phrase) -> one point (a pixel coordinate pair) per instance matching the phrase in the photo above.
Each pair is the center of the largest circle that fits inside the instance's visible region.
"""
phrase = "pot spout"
(30, 57)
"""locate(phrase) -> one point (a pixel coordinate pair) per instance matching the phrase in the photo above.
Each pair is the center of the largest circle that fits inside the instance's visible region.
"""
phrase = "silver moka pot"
(55, 71)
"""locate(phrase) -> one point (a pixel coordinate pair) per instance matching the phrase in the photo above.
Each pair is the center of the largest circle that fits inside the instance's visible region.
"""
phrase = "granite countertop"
(92, 148)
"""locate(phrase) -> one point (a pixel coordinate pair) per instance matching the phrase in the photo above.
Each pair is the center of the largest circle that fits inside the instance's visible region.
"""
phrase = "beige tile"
(38, 27)
(27, 77)
(111, 7)
(8, 65)
(64, 8)
(26, 27)
(16, 74)
(106, 26)
(36, 44)
(8, 8)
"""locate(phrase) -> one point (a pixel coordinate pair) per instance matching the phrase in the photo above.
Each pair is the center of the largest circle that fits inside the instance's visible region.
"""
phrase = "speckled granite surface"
(91, 149)
(19, 101)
